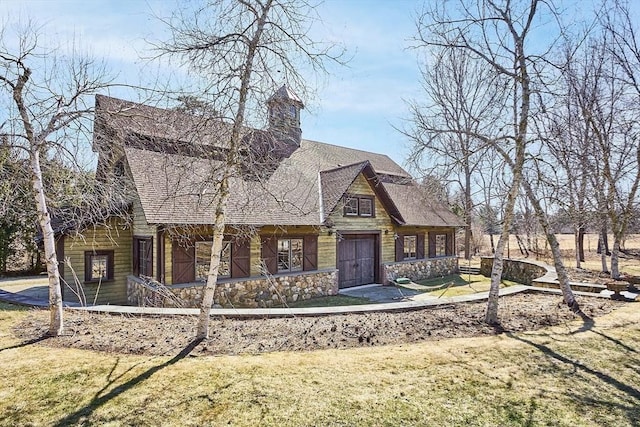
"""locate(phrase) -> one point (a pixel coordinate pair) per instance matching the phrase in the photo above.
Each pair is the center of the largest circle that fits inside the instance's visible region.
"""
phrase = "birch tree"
(241, 50)
(48, 94)
(498, 33)
(621, 158)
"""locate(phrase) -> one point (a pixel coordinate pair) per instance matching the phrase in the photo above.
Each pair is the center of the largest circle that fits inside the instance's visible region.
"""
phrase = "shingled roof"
(418, 208)
(175, 187)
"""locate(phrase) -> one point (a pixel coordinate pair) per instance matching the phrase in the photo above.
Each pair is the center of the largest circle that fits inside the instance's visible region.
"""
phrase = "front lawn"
(461, 284)
(572, 375)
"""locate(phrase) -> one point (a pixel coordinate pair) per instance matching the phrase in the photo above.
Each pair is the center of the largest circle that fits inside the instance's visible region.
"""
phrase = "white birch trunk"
(48, 238)
(202, 331)
(563, 278)
(603, 253)
(615, 251)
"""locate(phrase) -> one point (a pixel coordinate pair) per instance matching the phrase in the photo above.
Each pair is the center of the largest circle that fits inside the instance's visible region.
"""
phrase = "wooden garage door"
(357, 260)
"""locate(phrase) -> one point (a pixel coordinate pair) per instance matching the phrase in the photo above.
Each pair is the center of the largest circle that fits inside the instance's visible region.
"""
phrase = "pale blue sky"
(355, 107)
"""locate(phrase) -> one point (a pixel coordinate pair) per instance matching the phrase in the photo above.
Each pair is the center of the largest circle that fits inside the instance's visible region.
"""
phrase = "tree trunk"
(493, 246)
(563, 279)
(202, 331)
(581, 233)
(615, 269)
(467, 213)
(48, 238)
(576, 236)
(603, 254)
(491, 315)
(603, 242)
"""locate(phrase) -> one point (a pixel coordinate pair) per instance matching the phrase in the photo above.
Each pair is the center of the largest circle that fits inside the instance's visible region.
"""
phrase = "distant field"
(592, 258)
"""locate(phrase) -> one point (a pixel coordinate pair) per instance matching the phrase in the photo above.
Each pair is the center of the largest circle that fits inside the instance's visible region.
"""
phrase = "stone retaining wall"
(250, 292)
(519, 271)
(420, 269)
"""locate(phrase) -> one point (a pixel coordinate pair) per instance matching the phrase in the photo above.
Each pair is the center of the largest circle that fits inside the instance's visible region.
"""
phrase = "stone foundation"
(519, 271)
(247, 293)
(420, 269)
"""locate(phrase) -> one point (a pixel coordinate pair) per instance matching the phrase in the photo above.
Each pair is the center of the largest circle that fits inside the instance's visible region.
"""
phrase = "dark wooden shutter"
(269, 254)
(450, 240)
(184, 262)
(420, 246)
(136, 256)
(432, 245)
(148, 256)
(399, 247)
(240, 258)
(310, 250)
(60, 256)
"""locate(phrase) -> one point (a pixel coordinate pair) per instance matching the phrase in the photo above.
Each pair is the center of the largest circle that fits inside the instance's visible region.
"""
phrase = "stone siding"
(519, 271)
(247, 293)
(420, 269)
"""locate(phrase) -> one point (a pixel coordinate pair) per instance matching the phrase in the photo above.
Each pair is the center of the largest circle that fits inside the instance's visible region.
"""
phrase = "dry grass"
(586, 375)
(462, 284)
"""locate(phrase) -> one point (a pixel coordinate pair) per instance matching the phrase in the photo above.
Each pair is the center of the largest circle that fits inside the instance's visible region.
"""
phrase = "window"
(366, 207)
(351, 206)
(358, 206)
(203, 260)
(293, 112)
(289, 255)
(98, 266)
(441, 245)
(410, 243)
(143, 256)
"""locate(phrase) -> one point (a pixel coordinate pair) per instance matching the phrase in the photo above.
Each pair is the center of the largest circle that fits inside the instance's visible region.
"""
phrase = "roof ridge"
(363, 163)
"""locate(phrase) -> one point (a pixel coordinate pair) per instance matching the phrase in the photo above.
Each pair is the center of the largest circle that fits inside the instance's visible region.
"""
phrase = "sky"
(355, 106)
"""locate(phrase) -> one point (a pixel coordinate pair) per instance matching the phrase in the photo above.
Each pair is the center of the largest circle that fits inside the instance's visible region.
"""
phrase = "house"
(303, 219)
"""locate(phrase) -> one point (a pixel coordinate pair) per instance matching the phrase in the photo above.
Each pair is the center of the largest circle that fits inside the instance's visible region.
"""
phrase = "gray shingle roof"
(417, 208)
(303, 189)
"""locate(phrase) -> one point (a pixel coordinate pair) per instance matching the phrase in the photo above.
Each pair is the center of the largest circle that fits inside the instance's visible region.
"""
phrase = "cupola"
(284, 115)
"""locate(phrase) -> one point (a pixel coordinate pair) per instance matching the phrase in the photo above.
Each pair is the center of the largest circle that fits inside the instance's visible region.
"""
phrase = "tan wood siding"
(381, 222)
(140, 228)
(326, 250)
(114, 237)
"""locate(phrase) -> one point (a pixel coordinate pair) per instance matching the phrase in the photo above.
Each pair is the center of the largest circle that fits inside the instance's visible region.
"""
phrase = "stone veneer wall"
(249, 292)
(420, 269)
(520, 271)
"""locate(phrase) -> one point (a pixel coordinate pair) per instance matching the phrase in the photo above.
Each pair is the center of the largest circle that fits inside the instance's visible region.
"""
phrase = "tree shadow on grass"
(27, 343)
(98, 401)
(627, 389)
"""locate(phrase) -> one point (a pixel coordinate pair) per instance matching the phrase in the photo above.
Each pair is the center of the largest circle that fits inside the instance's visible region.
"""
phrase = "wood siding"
(381, 222)
(114, 237)
(141, 228)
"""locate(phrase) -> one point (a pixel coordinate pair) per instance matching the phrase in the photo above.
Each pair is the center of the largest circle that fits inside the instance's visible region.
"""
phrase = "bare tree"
(498, 33)
(620, 157)
(242, 50)
(48, 93)
(459, 88)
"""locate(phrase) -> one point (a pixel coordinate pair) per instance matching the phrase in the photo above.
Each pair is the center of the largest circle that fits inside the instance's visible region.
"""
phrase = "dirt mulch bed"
(169, 335)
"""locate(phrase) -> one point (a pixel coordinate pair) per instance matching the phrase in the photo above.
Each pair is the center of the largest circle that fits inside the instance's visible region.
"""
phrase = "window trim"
(404, 247)
(88, 258)
(210, 244)
(359, 213)
(290, 269)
